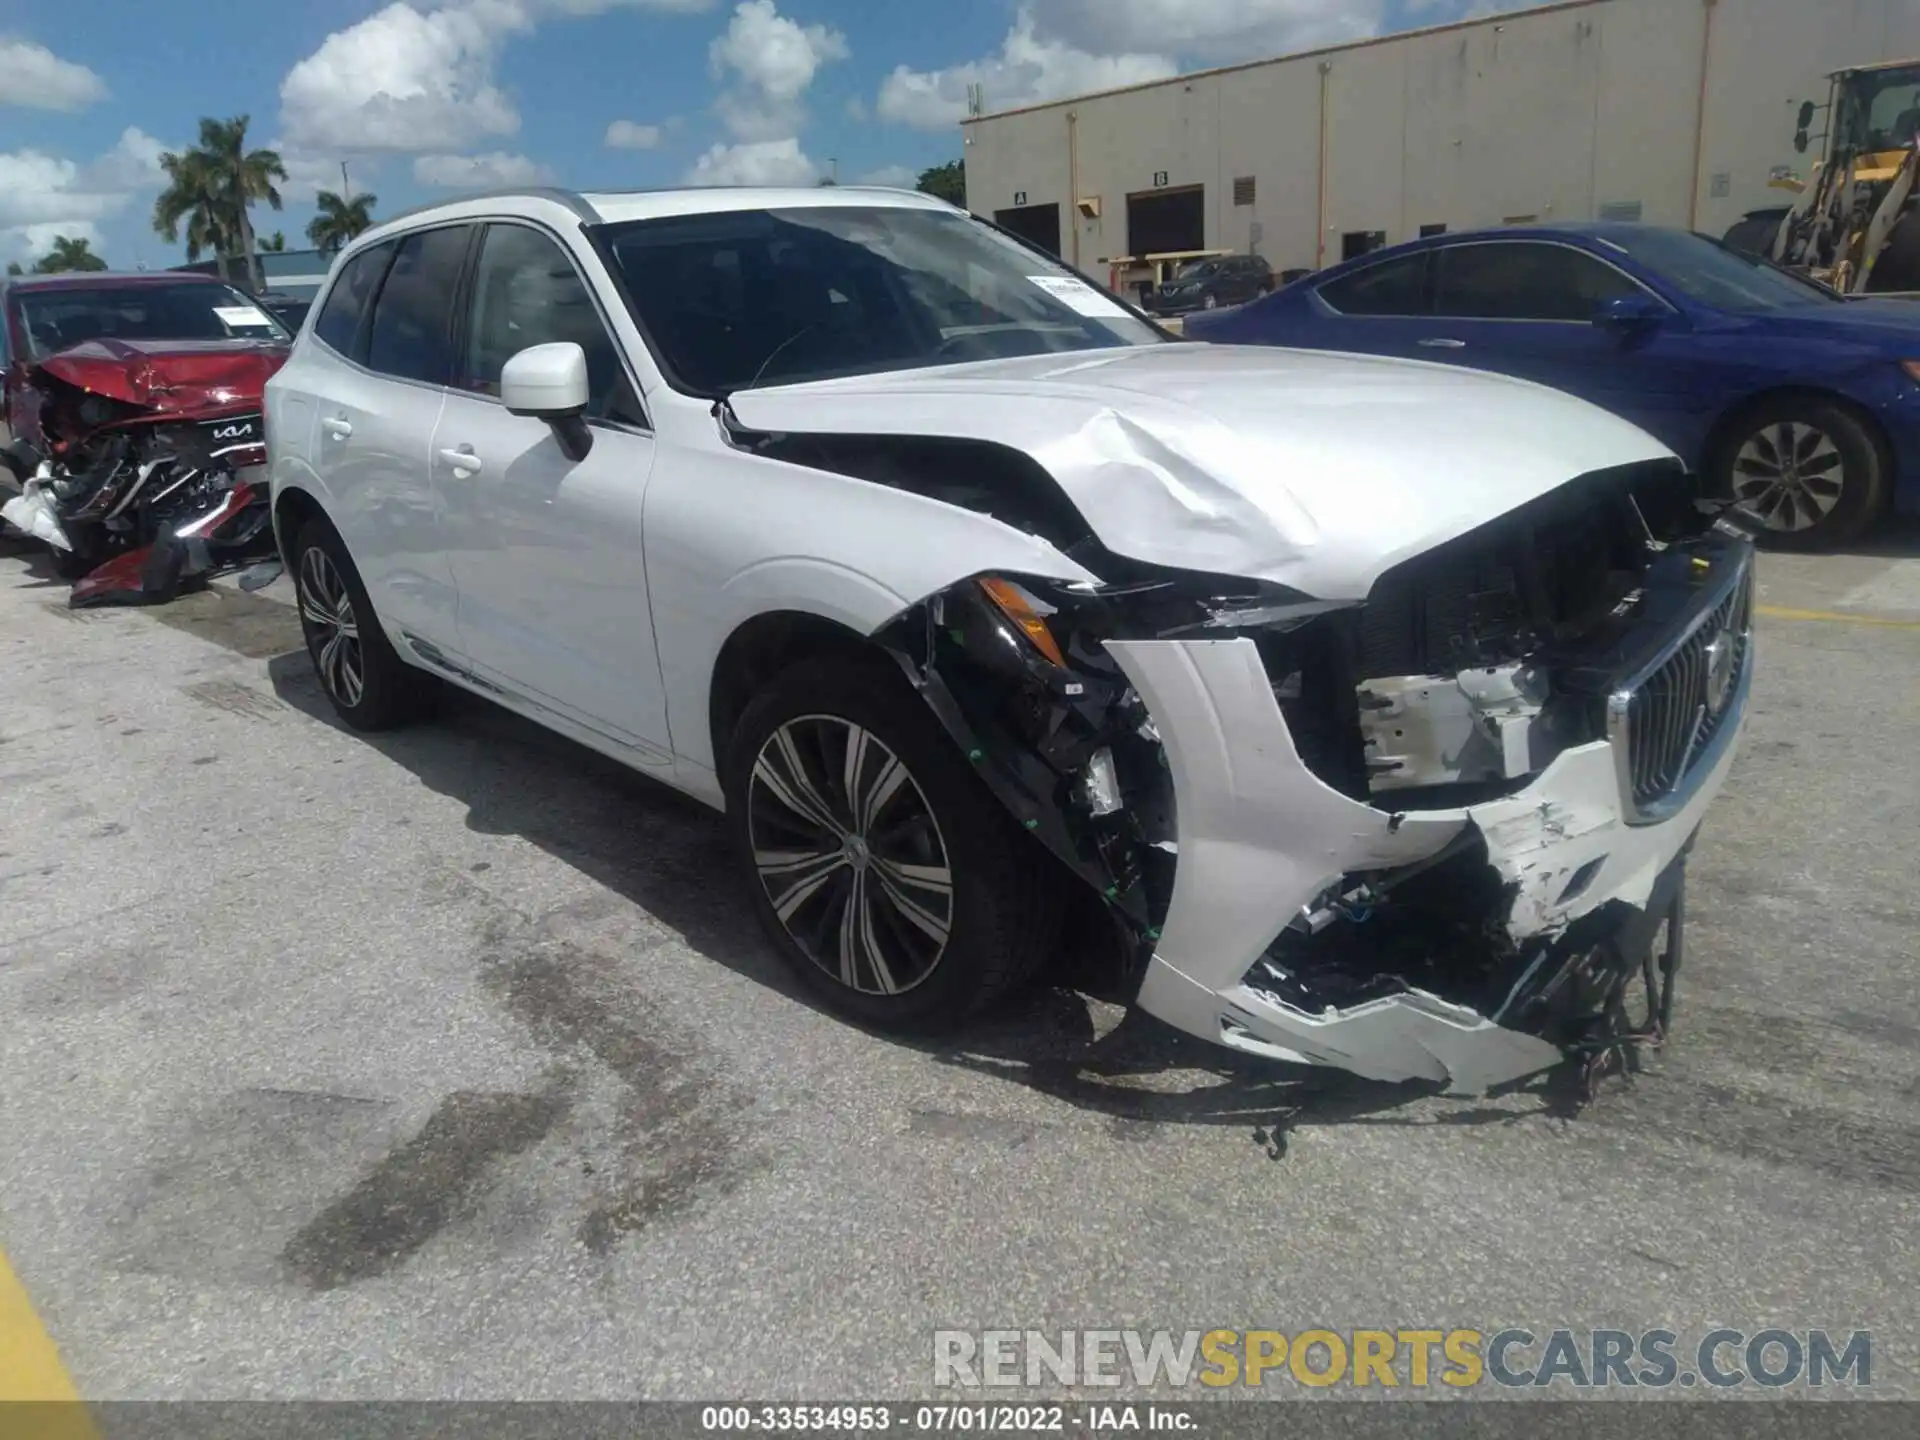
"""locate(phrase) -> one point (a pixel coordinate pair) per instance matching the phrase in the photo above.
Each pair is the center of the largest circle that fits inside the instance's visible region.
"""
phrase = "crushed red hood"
(171, 377)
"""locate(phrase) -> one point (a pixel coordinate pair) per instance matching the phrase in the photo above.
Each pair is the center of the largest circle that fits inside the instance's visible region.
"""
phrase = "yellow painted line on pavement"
(1836, 617)
(37, 1398)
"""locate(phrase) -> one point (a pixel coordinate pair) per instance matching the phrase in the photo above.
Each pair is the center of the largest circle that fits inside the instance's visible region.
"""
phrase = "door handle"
(338, 426)
(462, 459)
(1444, 344)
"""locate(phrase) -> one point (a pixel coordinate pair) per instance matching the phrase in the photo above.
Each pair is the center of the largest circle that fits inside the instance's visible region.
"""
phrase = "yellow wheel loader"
(1855, 226)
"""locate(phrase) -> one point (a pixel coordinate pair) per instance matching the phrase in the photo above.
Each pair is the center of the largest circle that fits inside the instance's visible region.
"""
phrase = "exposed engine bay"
(142, 472)
(1436, 835)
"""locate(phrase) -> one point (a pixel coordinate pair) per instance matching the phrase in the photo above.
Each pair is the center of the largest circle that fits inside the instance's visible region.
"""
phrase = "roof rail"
(558, 196)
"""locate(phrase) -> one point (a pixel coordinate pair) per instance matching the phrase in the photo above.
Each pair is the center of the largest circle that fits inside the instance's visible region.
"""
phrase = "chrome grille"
(1664, 724)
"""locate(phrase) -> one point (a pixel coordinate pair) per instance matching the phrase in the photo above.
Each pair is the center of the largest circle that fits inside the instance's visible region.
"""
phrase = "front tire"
(369, 686)
(881, 868)
(1810, 469)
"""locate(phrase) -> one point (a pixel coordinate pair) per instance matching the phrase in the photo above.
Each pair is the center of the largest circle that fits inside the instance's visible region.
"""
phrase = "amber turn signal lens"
(1014, 603)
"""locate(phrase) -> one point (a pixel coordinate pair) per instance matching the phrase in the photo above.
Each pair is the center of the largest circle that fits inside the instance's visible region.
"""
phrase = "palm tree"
(243, 177)
(340, 218)
(192, 202)
(273, 244)
(68, 253)
(216, 181)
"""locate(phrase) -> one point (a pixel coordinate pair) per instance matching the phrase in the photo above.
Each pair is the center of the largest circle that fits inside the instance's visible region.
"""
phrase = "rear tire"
(1810, 469)
(369, 686)
(881, 867)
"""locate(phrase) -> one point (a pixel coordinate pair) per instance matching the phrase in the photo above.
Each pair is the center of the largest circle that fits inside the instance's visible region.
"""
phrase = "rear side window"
(338, 322)
(1393, 287)
(412, 328)
(1519, 280)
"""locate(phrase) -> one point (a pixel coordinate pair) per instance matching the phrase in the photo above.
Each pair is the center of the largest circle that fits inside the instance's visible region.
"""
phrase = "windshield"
(1197, 269)
(731, 299)
(1879, 111)
(1709, 272)
(58, 319)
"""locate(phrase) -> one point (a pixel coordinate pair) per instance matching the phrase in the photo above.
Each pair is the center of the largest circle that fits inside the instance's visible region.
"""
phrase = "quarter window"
(339, 320)
(1393, 287)
(527, 292)
(412, 316)
(1522, 281)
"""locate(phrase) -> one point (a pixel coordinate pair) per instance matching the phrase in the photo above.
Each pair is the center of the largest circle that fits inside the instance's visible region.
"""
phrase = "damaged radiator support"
(1047, 689)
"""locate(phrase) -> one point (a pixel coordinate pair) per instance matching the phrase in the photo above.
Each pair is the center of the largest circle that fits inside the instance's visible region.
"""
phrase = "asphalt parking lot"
(451, 1064)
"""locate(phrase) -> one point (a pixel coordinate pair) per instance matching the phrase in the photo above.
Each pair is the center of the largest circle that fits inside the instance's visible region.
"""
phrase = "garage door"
(1166, 222)
(1037, 224)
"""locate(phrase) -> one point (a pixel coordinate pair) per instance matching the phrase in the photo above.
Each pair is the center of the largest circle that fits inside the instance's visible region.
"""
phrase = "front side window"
(1393, 287)
(338, 322)
(1520, 280)
(413, 315)
(56, 319)
(733, 299)
(527, 292)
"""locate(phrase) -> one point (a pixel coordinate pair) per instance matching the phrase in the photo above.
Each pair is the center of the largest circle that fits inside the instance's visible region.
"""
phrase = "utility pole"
(346, 187)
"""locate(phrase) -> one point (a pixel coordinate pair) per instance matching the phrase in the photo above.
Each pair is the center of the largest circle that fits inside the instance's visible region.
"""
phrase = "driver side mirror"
(549, 382)
(1629, 314)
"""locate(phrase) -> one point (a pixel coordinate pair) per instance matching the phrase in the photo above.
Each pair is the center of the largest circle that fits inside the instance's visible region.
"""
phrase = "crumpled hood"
(1313, 470)
(183, 377)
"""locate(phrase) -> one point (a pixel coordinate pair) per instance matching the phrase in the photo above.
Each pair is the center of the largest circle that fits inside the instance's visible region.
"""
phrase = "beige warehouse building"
(1678, 112)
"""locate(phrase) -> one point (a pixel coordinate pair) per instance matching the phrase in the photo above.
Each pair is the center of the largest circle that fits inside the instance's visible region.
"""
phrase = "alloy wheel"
(1790, 474)
(333, 631)
(850, 855)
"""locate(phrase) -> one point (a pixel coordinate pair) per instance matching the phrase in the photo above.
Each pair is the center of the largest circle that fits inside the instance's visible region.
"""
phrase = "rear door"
(546, 551)
(375, 408)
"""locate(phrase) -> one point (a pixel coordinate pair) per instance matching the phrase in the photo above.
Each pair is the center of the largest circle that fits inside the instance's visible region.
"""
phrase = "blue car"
(1803, 406)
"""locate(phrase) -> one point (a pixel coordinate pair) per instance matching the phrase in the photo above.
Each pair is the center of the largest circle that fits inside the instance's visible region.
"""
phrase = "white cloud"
(1027, 69)
(418, 77)
(477, 172)
(900, 177)
(1211, 31)
(45, 195)
(404, 80)
(771, 53)
(768, 62)
(758, 162)
(30, 242)
(626, 135)
(33, 75)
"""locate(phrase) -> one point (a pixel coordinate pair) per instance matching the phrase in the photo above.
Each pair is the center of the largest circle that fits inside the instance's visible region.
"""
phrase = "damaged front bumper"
(1579, 854)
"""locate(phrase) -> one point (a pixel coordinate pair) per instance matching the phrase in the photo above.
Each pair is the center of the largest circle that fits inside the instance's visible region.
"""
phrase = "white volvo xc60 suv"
(1368, 709)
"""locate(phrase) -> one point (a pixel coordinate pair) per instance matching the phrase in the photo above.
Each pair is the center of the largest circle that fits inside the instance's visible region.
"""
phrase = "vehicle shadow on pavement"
(669, 855)
(1143, 1073)
(39, 573)
(1895, 538)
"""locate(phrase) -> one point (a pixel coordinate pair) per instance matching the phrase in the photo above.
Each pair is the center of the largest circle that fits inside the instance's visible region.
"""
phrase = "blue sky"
(426, 97)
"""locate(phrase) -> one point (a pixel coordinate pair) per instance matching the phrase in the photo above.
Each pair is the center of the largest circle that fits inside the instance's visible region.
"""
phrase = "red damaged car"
(132, 421)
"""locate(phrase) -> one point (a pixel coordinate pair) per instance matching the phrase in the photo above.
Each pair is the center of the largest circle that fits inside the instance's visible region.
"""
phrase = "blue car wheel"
(1810, 470)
